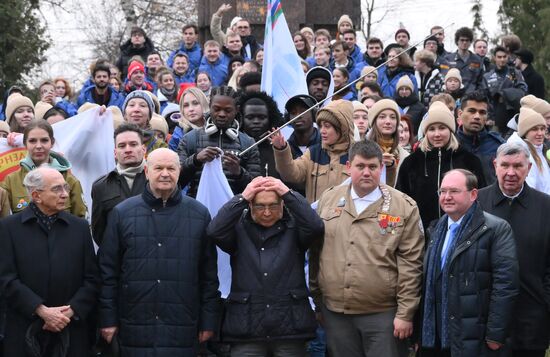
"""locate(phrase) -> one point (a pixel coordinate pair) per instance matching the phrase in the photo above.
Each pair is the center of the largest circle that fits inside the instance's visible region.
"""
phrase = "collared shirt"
(362, 203)
(514, 196)
(446, 242)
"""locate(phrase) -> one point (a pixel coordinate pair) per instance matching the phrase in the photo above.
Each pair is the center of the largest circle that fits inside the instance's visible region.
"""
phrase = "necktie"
(449, 243)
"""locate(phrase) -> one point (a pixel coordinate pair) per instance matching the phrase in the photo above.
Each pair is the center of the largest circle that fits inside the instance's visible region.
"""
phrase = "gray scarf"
(130, 173)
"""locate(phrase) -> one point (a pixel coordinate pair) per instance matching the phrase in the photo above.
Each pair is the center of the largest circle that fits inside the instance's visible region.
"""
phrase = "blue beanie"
(142, 95)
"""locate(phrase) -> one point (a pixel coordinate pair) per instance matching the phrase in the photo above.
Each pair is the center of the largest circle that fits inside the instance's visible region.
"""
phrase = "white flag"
(86, 140)
(282, 74)
(213, 192)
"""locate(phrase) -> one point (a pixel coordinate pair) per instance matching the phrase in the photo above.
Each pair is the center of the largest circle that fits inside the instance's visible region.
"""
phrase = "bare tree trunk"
(127, 7)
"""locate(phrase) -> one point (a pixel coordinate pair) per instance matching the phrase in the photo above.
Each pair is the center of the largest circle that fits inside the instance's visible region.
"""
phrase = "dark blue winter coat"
(217, 70)
(85, 96)
(484, 145)
(483, 285)
(194, 54)
(159, 271)
(269, 297)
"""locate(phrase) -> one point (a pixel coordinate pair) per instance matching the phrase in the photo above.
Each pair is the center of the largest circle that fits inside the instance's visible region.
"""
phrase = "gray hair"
(34, 181)
(513, 149)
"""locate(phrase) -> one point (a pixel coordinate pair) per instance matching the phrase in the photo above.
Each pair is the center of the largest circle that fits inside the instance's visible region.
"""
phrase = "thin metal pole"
(340, 90)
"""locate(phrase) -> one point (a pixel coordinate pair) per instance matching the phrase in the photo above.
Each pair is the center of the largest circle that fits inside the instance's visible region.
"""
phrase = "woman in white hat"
(19, 112)
(531, 132)
(421, 173)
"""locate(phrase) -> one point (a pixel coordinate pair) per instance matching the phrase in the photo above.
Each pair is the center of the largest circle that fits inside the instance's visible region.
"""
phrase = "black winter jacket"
(160, 279)
(269, 297)
(107, 192)
(421, 173)
(127, 51)
(411, 106)
(528, 215)
(196, 140)
(483, 285)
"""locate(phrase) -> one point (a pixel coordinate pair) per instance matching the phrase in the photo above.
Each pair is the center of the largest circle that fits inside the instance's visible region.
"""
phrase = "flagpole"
(335, 93)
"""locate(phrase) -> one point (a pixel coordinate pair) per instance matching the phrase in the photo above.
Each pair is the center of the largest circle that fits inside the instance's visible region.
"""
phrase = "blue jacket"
(194, 54)
(85, 96)
(357, 55)
(388, 82)
(67, 107)
(159, 270)
(176, 137)
(217, 70)
(188, 77)
(484, 146)
(352, 68)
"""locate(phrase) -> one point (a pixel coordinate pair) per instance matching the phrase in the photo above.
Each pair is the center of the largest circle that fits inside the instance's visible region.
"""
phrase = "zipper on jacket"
(220, 140)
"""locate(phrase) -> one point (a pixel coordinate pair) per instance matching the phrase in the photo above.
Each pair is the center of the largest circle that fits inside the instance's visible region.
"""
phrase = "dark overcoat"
(54, 268)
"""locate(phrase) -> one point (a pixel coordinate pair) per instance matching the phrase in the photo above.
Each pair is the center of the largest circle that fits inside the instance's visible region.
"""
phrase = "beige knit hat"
(344, 18)
(358, 106)
(159, 123)
(118, 118)
(539, 105)
(15, 101)
(4, 126)
(528, 119)
(379, 107)
(405, 81)
(439, 113)
(87, 106)
(453, 73)
(40, 108)
(368, 69)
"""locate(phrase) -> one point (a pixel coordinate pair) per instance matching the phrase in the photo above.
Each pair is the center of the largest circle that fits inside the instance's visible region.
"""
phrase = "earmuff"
(232, 132)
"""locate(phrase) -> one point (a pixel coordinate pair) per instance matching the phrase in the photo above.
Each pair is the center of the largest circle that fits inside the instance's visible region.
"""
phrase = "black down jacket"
(269, 297)
(483, 285)
(421, 174)
(196, 140)
(160, 279)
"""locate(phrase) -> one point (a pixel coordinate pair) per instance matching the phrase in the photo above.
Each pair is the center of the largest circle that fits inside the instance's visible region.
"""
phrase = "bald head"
(162, 171)
(163, 154)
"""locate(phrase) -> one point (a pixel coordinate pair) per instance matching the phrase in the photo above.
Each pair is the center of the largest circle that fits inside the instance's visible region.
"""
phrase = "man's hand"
(108, 333)
(223, 9)
(255, 186)
(208, 154)
(205, 336)
(493, 345)
(232, 163)
(402, 329)
(54, 318)
(273, 184)
(68, 312)
(277, 140)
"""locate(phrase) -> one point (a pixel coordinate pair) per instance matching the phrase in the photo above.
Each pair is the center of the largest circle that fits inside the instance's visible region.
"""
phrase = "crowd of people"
(410, 206)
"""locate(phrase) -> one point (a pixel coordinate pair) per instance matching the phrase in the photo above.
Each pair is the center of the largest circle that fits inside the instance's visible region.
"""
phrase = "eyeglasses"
(450, 191)
(59, 189)
(262, 208)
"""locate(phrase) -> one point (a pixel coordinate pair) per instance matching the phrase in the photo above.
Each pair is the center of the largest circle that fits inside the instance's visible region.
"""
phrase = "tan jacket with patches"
(359, 268)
